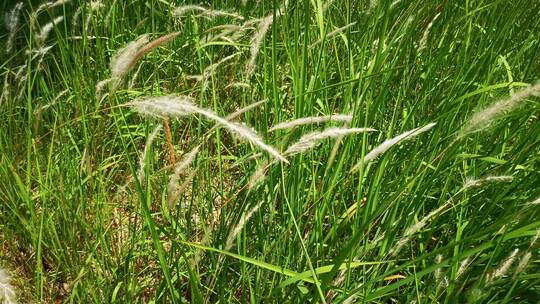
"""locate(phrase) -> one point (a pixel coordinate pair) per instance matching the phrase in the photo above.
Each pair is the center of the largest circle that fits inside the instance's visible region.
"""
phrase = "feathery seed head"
(258, 176)
(474, 183)
(523, 263)
(182, 10)
(142, 160)
(311, 120)
(423, 42)
(504, 267)
(126, 58)
(463, 266)
(177, 106)
(387, 144)
(46, 30)
(332, 34)
(7, 291)
(238, 228)
(258, 38)
(310, 140)
(49, 5)
(483, 118)
(174, 189)
(12, 22)
(535, 202)
(123, 60)
(245, 109)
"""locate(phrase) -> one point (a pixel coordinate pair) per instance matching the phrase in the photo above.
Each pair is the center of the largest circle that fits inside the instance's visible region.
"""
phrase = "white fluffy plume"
(174, 188)
(311, 120)
(387, 144)
(12, 22)
(7, 291)
(481, 119)
(182, 105)
(310, 140)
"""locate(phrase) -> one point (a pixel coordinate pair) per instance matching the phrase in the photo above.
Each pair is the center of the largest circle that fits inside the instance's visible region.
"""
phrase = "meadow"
(271, 151)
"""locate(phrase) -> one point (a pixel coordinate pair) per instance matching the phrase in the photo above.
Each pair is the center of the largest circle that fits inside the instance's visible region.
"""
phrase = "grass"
(444, 216)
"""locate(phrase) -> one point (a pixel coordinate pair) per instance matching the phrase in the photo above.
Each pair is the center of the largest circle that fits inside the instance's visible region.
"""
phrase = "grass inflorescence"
(269, 152)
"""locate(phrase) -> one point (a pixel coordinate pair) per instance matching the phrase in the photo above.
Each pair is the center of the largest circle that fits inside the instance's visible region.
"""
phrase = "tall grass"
(281, 200)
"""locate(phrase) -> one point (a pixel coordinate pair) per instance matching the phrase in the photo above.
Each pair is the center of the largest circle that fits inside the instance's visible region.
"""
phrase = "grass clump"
(173, 153)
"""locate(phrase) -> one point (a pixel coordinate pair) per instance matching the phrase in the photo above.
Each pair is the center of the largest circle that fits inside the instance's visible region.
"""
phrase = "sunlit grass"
(298, 151)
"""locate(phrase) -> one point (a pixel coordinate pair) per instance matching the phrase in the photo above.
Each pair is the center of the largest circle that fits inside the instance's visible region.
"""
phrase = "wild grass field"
(270, 151)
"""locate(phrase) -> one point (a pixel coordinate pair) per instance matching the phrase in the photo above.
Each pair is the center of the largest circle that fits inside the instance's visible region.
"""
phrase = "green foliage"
(78, 224)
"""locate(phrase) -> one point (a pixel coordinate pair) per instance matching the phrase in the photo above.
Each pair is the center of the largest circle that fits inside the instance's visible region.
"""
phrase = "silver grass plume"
(185, 184)
(246, 109)
(173, 191)
(229, 33)
(7, 291)
(211, 69)
(503, 268)
(241, 111)
(310, 140)
(423, 42)
(46, 30)
(311, 120)
(463, 266)
(387, 144)
(523, 263)
(409, 232)
(258, 38)
(481, 119)
(142, 160)
(182, 106)
(205, 12)
(259, 175)
(94, 6)
(332, 34)
(53, 102)
(12, 22)
(126, 58)
(474, 183)
(238, 228)
(49, 5)
(100, 87)
(535, 202)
